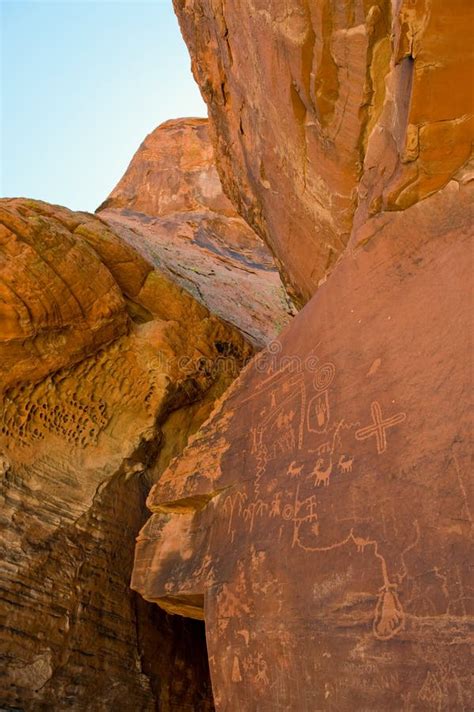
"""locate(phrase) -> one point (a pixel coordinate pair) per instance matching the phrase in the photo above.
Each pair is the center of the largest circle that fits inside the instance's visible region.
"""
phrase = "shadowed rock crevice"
(182, 648)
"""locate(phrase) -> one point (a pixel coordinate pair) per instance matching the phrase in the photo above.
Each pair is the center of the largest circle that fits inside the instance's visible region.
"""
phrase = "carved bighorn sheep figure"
(345, 465)
(322, 476)
(294, 471)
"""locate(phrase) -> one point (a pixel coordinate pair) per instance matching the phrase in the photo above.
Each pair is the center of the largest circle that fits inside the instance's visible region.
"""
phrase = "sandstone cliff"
(98, 339)
(296, 88)
(321, 519)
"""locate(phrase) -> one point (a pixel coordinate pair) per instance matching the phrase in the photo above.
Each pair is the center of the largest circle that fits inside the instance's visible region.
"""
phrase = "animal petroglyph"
(293, 470)
(321, 477)
(360, 543)
(344, 464)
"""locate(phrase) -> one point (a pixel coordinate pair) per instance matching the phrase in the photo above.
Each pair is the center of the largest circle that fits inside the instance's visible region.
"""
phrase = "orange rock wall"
(111, 358)
(84, 413)
(294, 91)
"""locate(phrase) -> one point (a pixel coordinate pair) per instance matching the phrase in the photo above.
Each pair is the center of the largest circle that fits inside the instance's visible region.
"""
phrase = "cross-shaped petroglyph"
(379, 426)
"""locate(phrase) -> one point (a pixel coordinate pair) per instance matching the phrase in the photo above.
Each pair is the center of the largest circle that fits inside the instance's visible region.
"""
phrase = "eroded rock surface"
(170, 206)
(59, 301)
(106, 352)
(295, 89)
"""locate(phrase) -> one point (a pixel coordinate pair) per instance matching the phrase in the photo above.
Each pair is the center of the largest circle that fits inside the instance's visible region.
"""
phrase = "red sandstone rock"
(173, 171)
(169, 206)
(295, 89)
(108, 364)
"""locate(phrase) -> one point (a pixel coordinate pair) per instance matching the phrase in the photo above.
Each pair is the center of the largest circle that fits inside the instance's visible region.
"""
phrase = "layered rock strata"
(170, 206)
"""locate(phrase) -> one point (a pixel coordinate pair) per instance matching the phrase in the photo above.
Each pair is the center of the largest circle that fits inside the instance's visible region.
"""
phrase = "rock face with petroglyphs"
(108, 366)
(320, 521)
(323, 513)
(170, 206)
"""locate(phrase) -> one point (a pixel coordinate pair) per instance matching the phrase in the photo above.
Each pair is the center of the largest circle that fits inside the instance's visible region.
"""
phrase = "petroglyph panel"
(329, 494)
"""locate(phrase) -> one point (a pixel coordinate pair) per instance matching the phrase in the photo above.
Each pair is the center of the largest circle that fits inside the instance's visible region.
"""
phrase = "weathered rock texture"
(59, 301)
(296, 88)
(108, 366)
(321, 519)
(170, 206)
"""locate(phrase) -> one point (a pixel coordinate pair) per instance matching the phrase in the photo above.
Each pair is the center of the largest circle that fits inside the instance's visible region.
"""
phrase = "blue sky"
(82, 83)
